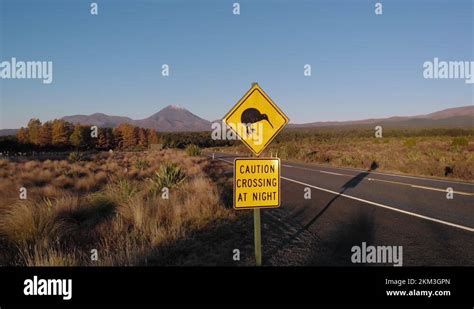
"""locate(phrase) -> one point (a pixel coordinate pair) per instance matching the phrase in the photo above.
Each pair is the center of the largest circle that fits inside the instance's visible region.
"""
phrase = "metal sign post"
(258, 236)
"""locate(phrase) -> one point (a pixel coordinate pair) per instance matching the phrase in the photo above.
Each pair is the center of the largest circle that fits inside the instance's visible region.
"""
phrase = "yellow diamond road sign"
(256, 119)
(256, 183)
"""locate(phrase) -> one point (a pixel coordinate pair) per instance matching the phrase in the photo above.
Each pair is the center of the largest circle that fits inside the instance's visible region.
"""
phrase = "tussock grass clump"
(193, 150)
(75, 156)
(121, 190)
(41, 256)
(28, 222)
(142, 164)
(86, 183)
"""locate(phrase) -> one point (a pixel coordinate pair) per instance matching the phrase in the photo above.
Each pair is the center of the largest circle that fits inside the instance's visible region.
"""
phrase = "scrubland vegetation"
(59, 135)
(111, 201)
(447, 153)
(62, 135)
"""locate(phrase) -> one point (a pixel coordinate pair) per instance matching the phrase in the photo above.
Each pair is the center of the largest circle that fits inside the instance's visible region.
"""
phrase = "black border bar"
(238, 285)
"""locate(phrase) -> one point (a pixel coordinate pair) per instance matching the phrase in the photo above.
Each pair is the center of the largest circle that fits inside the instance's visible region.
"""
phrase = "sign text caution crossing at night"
(256, 183)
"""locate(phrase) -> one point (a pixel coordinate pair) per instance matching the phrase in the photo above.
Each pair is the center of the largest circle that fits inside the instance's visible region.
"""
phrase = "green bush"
(193, 150)
(169, 175)
(75, 156)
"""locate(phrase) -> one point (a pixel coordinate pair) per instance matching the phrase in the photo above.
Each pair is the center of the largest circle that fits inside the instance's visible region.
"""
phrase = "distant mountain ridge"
(177, 119)
(452, 117)
(98, 119)
(172, 118)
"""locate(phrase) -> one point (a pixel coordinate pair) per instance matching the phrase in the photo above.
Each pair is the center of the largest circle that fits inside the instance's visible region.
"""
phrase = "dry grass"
(436, 155)
(104, 203)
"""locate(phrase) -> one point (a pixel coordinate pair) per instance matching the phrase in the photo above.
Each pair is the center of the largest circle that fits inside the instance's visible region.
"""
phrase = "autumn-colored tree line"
(62, 134)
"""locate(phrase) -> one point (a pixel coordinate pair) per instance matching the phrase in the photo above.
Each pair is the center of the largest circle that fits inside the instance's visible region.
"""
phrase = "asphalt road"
(349, 206)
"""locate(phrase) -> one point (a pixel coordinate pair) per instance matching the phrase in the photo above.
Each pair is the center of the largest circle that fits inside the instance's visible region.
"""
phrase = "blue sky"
(363, 65)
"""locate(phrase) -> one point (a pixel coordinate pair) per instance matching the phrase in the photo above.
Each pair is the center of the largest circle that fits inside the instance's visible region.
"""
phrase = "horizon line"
(211, 121)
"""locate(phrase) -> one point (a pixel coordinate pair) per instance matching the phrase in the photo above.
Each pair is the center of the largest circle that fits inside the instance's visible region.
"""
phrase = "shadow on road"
(352, 183)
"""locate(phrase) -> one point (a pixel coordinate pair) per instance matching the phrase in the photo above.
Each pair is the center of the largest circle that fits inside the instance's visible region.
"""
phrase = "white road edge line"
(331, 173)
(462, 227)
(469, 229)
(440, 190)
(383, 174)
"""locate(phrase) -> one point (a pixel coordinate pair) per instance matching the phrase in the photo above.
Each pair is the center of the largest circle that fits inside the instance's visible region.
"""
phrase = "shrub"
(193, 150)
(75, 156)
(122, 190)
(142, 164)
(169, 175)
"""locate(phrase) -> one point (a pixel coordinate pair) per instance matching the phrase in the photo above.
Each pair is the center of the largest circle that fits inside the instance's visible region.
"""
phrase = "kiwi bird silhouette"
(252, 115)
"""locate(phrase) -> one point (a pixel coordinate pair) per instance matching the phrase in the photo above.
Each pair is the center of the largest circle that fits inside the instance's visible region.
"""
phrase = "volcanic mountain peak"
(174, 106)
(174, 118)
